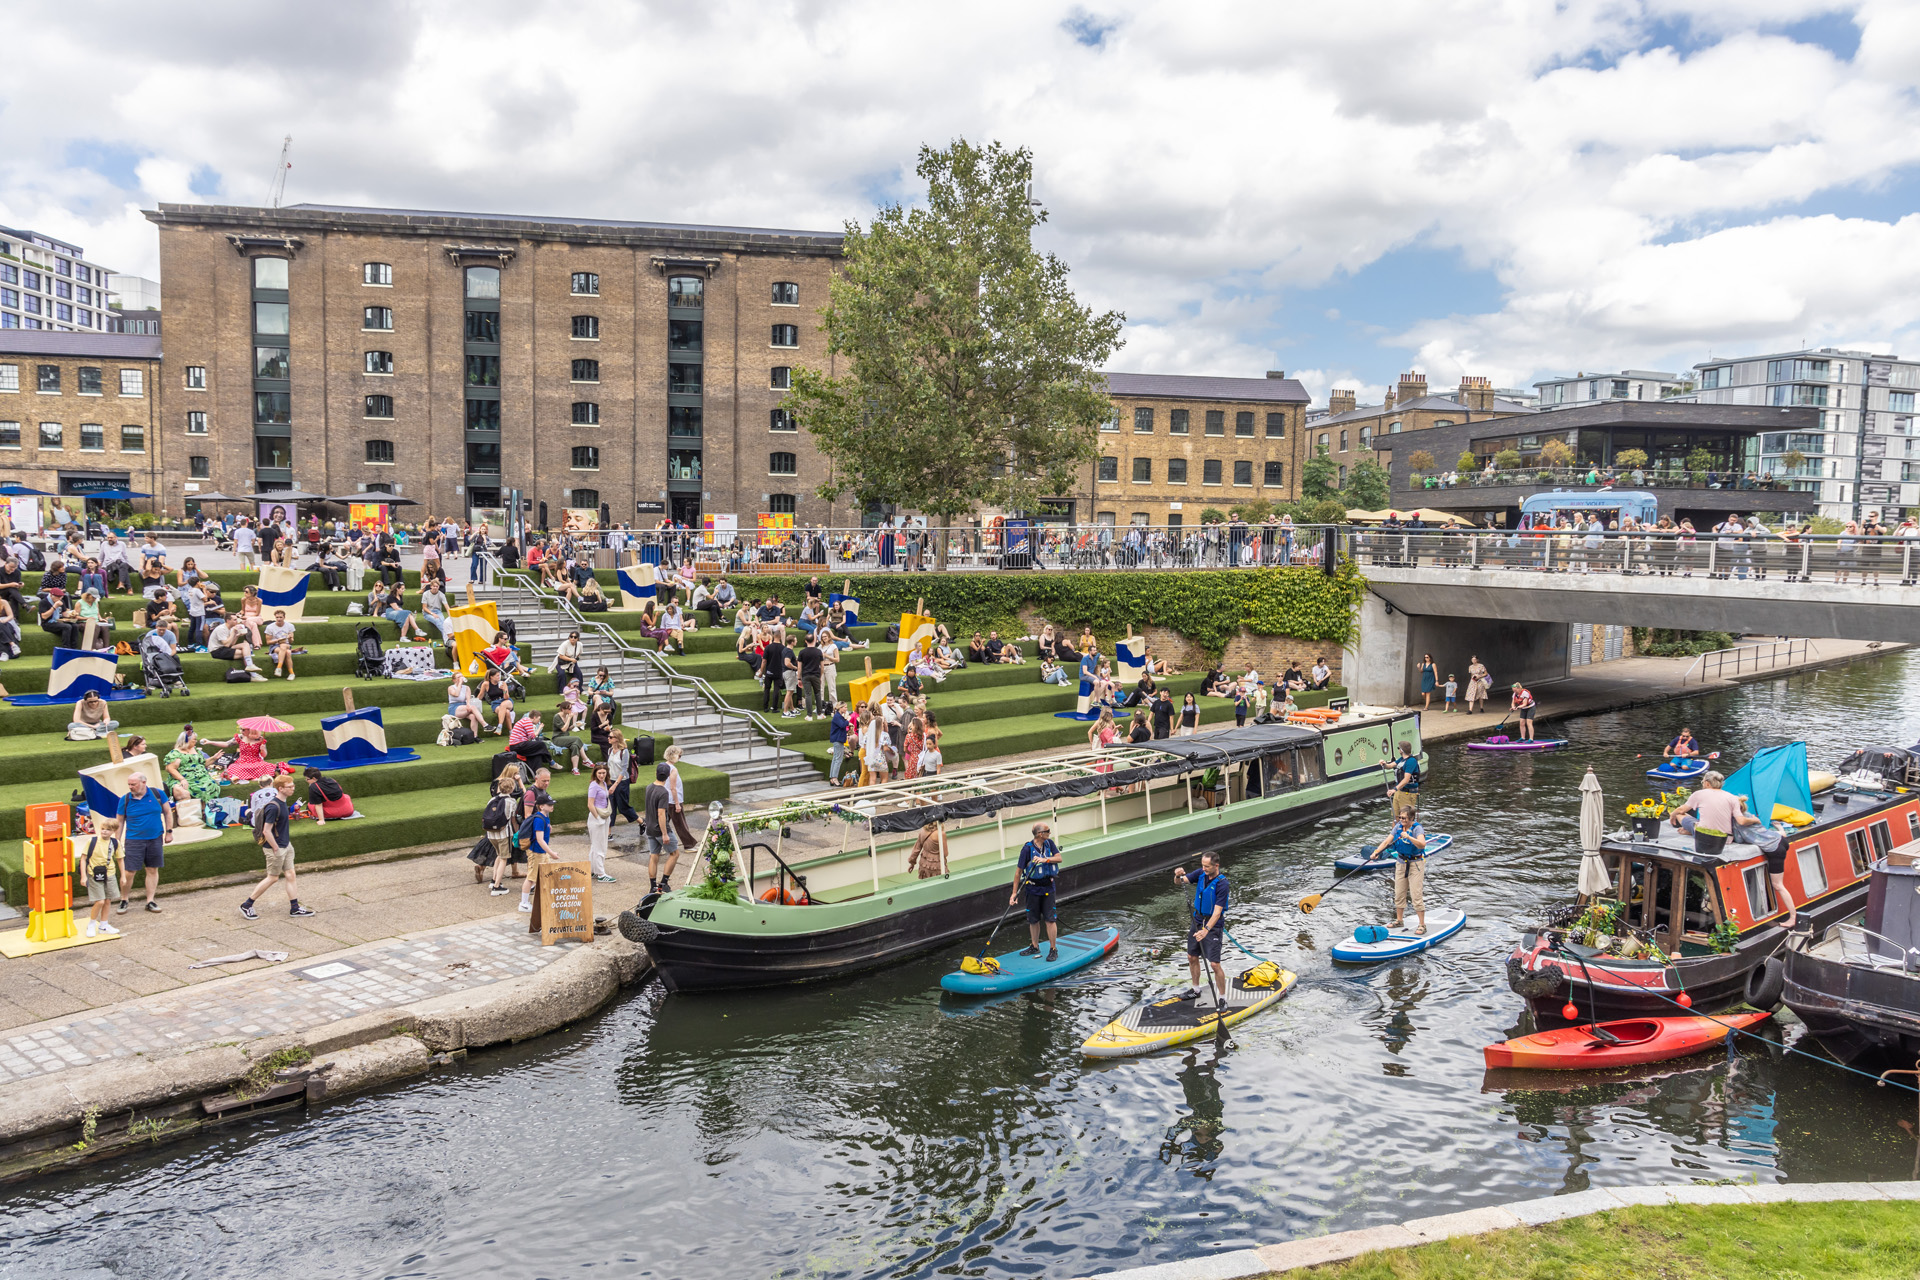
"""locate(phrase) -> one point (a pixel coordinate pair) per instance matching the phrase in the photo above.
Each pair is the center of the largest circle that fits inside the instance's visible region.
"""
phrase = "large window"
(1243, 472)
(1210, 471)
(786, 294)
(50, 436)
(483, 415)
(380, 452)
(269, 273)
(1343, 441)
(273, 452)
(1900, 401)
(1216, 422)
(376, 273)
(483, 282)
(1797, 395)
(586, 371)
(586, 283)
(483, 371)
(133, 439)
(1177, 421)
(89, 380)
(683, 464)
(1143, 470)
(196, 422)
(586, 457)
(586, 328)
(782, 464)
(686, 291)
(270, 363)
(683, 335)
(93, 437)
(379, 406)
(272, 407)
(780, 378)
(1176, 470)
(780, 504)
(483, 458)
(1243, 423)
(1276, 474)
(1110, 469)
(483, 326)
(49, 377)
(271, 317)
(683, 420)
(786, 335)
(1142, 421)
(781, 420)
(1276, 426)
(586, 413)
(373, 318)
(9, 435)
(583, 498)
(1798, 370)
(683, 379)
(199, 467)
(379, 362)
(9, 377)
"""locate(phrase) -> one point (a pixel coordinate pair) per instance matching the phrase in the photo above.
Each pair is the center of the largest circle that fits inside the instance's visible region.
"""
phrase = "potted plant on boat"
(1646, 815)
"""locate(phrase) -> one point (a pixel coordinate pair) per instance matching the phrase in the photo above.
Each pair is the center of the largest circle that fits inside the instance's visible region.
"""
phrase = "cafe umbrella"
(1594, 879)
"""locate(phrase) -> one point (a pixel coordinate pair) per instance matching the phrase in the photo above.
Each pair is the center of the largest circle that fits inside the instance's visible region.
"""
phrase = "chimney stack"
(1276, 373)
(1476, 394)
(1341, 400)
(1413, 386)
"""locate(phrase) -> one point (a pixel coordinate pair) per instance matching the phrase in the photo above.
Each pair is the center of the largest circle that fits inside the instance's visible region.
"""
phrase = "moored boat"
(1678, 770)
(1627, 1042)
(1117, 813)
(1690, 923)
(1858, 987)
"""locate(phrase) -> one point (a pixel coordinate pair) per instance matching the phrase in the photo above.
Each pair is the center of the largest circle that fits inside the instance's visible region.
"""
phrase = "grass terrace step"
(319, 695)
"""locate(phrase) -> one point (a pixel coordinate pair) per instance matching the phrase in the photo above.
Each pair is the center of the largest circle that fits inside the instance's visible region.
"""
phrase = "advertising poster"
(775, 529)
(495, 520)
(367, 515)
(26, 514)
(579, 519)
(720, 529)
(278, 512)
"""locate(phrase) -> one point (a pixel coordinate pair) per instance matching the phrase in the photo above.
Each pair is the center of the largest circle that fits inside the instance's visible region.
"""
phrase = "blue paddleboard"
(1356, 863)
(1442, 923)
(1077, 951)
(1678, 770)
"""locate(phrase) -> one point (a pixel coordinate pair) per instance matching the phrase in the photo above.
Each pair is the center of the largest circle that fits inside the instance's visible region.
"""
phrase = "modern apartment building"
(49, 284)
(633, 368)
(1589, 388)
(1177, 445)
(1864, 456)
(78, 411)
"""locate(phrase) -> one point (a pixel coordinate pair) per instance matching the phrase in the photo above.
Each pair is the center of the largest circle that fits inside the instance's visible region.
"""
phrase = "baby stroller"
(370, 665)
(162, 673)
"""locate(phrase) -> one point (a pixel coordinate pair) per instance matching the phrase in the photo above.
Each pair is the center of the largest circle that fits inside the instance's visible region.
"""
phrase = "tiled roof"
(55, 342)
(1179, 386)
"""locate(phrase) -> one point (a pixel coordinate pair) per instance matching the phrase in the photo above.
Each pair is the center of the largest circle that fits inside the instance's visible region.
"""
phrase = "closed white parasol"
(1593, 871)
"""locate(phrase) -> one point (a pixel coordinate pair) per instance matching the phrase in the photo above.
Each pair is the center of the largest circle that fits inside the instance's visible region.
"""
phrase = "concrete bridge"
(1512, 598)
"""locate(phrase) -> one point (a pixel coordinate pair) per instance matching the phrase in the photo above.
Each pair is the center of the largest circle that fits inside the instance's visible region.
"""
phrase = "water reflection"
(873, 1128)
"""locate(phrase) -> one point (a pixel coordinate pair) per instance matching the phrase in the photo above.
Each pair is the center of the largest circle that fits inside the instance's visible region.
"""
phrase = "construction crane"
(278, 187)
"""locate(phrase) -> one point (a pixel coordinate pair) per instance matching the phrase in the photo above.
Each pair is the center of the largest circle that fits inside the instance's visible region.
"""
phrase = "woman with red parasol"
(251, 743)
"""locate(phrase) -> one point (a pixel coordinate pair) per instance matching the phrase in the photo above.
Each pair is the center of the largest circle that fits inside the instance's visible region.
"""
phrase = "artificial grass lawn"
(1841, 1240)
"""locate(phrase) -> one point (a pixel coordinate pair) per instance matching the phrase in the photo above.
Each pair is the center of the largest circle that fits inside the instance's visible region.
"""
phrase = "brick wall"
(1269, 655)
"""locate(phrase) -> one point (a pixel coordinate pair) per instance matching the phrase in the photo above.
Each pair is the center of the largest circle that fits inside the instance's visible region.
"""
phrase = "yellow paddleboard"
(1165, 1021)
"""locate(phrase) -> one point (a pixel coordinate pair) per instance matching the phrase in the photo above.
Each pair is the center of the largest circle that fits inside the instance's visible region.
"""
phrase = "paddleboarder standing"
(1408, 841)
(1523, 707)
(1039, 870)
(1406, 773)
(1209, 920)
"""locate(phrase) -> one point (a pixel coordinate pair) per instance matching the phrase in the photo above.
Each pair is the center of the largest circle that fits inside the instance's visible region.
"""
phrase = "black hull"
(1856, 1013)
(699, 960)
(1714, 984)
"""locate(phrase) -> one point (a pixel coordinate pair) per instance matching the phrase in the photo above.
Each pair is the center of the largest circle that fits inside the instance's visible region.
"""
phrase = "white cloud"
(1201, 165)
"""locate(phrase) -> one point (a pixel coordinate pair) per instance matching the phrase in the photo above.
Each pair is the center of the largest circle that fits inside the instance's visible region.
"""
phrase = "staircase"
(654, 697)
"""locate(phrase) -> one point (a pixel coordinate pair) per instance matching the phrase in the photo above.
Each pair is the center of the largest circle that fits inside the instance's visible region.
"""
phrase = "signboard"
(649, 508)
(1016, 535)
(579, 519)
(25, 513)
(367, 515)
(563, 904)
(775, 529)
(495, 520)
(720, 529)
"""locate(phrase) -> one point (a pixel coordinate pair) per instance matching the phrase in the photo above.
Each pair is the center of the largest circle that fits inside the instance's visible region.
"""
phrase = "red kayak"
(1639, 1040)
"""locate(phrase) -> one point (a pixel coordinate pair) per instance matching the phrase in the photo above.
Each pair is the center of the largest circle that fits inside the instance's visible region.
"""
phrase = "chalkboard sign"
(563, 904)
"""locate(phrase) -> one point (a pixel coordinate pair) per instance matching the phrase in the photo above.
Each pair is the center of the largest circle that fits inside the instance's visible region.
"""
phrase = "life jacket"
(1205, 891)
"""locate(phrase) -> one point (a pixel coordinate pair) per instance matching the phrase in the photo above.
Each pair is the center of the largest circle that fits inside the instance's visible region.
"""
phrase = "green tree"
(1420, 460)
(1466, 461)
(973, 373)
(1507, 459)
(1631, 459)
(1317, 476)
(1367, 485)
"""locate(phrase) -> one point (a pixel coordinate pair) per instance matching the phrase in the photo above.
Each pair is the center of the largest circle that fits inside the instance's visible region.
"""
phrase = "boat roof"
(973, 793)
(1678, 845)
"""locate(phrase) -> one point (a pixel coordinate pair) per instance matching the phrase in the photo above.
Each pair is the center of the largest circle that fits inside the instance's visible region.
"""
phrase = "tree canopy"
(1317, 476)
(1367, 485)
(971, 374)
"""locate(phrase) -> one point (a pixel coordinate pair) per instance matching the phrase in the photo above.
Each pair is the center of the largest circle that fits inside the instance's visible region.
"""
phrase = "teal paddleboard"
(1077, 951)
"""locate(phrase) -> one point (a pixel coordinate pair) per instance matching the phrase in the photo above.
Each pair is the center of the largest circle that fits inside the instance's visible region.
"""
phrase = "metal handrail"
(649, 659)
(1795, 651)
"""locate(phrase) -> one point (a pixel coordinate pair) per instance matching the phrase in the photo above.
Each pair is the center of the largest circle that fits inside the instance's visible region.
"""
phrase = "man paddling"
(1408, 841)
(1209, 922)
(1038, 873)
(1682, 747)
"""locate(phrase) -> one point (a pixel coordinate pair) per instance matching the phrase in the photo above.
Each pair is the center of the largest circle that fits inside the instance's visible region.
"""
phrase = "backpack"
(239, 675)
(498, 813)
(893, 633)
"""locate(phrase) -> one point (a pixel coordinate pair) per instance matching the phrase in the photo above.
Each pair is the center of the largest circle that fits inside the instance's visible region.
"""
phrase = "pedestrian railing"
(1743, 659)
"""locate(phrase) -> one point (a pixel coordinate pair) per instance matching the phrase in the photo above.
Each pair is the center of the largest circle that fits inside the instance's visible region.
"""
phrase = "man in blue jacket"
(1038, 874)
(1209, 922)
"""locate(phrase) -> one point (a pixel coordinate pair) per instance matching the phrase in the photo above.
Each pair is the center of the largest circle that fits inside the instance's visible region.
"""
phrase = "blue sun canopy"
(1777, 775)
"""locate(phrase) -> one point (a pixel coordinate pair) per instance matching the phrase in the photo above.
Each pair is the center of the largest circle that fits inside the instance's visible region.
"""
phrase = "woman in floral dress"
(185, 763)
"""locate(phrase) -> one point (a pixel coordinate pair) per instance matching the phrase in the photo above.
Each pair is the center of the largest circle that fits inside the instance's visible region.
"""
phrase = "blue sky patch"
(1090, 29)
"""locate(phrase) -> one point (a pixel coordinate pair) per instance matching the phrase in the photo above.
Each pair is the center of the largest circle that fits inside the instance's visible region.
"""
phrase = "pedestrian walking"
(599, 821)
(146, 823)
(270, 831)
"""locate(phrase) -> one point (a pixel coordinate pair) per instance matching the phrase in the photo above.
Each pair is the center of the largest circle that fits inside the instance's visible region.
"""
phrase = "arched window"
(686, 291)
(583, 497)
(586, 457)
(379, 406)
(379, 362)
(786, 294)
(586, 413)
(586, 327)
(782, 464)
(786, 335)
(377, 273)
(780, 504)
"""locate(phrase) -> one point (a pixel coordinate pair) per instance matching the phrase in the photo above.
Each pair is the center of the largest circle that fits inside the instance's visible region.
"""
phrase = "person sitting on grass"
(494, 696)
(1001, 652)
(228, 643)
(569, 733)
(977, 650)
(1051, 672)
(463, 705)
(326, 798)
(92, 718)
(280, 642)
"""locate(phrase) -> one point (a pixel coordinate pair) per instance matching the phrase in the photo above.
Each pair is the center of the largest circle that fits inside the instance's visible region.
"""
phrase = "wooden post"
(920, 607)
(346, 696)
(113, 747)
(470, 600)
(87, 641)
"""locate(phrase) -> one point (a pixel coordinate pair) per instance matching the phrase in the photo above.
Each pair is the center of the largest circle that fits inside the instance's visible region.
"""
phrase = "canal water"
(871, 1128)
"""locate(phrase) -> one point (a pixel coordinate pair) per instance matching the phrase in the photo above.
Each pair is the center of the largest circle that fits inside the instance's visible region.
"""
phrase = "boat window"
(1280, 771)
(1857, 850)
(1882, 836)
(1813, 875)
(1663, 889)
(1701, 916)
(1309, 766)
(1339, 757)
(1913, 825)
(1759, 892)
(1634, 893)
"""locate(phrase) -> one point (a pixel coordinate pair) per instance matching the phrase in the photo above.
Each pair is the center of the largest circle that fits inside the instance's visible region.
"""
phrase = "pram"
(369, 664)
(162, 673)
(508, 673)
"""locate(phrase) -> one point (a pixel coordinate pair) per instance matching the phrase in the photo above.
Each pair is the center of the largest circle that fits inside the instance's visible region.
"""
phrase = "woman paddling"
(1523, 707)
(1408, 841)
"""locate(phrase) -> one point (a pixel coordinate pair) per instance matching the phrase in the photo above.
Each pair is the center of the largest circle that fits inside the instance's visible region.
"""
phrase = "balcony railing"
(1599, 478)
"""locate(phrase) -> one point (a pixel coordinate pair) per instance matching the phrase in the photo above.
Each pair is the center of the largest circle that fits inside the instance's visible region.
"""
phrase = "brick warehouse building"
(1177, 445)
(78, 411)
(631, 366)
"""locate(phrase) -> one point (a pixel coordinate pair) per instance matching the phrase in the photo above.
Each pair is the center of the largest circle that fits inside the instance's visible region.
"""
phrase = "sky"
(1346, 191)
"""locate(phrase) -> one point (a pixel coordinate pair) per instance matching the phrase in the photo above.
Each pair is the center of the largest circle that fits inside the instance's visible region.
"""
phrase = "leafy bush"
(1631, 459)
(1507, 459)
(1421, 460)
(1662, 642)
(1466, 461)
(1555, 453)
(1211, 514)
(1700, 462)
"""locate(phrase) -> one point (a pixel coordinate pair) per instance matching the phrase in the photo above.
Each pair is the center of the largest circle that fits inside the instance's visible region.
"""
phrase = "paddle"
(986, 962)
(1312, 900)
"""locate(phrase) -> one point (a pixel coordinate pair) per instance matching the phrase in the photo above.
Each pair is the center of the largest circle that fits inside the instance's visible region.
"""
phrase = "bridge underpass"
(1518, 620)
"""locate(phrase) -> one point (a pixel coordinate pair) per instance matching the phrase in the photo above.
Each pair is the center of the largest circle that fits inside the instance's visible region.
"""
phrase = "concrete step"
(762, 797)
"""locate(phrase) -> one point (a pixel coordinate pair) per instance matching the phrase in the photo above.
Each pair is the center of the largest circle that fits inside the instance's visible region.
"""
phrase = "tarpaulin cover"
(1777, 775)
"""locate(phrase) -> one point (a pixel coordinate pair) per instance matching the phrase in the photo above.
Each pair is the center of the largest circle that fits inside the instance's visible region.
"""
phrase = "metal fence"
(1745, 658)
